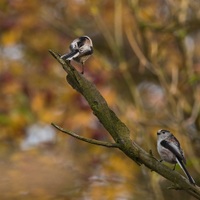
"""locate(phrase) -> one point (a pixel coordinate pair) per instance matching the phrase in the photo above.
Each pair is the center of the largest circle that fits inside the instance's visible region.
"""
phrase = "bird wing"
(70, 55)
(86, 52)
(173, 148)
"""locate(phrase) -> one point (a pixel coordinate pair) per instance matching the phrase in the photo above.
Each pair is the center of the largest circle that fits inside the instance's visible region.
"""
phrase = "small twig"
(151, 153)
(88, 140)
(174, 187)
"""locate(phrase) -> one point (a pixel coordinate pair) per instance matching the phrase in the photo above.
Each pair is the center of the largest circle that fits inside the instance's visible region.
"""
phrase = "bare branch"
(119, 131)
(88, 140)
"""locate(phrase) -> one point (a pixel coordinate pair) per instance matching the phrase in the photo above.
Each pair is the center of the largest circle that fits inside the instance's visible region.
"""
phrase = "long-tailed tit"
(81, 49)
(170, 151)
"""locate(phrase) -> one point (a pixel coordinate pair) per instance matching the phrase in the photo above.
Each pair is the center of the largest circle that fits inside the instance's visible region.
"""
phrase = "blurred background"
(146, 63)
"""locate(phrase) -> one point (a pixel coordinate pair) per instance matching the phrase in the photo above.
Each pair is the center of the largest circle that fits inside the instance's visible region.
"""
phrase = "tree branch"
(88, 140)
(118, 130)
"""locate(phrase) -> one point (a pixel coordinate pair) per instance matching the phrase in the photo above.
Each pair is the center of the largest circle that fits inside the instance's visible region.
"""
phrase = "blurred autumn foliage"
(146, 63)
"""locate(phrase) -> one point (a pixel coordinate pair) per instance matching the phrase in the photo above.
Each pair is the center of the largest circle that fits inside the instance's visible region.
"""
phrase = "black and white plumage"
(81, 49)
(170, 151)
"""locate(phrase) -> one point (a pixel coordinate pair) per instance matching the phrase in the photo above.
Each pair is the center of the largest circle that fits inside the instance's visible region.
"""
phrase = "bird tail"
(185, 171)
(70, 55)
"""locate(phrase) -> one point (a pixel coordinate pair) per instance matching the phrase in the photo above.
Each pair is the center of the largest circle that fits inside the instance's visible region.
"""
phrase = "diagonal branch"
(88, 140)
(119, 131)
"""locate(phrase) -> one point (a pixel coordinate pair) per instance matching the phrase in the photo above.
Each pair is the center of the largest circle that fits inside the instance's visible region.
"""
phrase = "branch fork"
(118, 130)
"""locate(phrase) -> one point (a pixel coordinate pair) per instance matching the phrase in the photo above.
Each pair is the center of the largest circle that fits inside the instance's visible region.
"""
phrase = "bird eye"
(163, 132)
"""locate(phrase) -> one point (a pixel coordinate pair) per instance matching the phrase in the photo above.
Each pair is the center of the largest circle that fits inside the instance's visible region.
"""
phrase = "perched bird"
(81, 49)
(170, 151)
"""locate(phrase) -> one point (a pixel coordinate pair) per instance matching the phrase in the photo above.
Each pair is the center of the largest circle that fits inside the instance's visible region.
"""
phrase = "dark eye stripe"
(164, 131)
